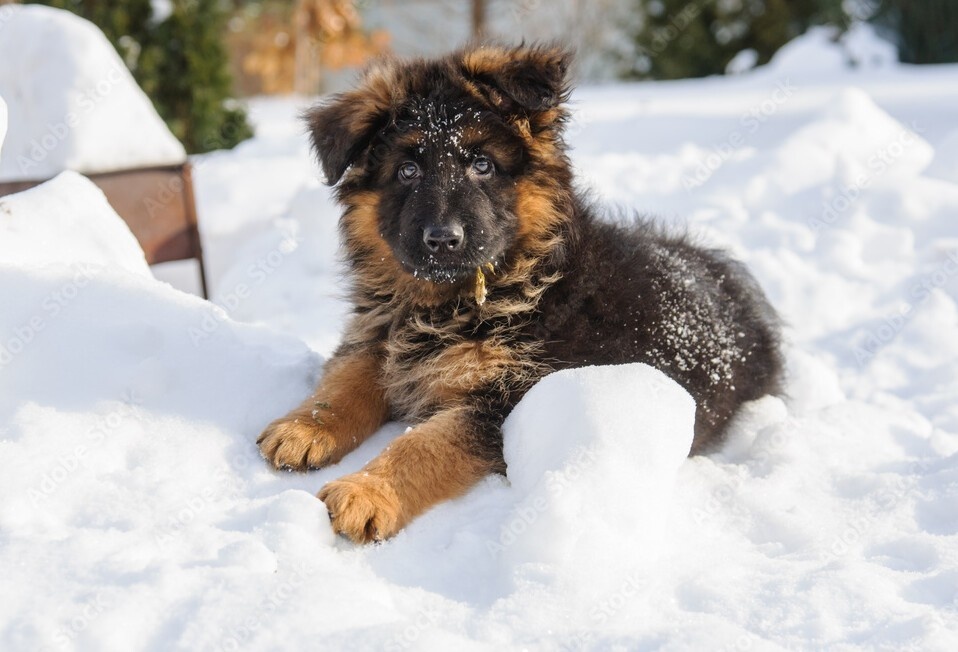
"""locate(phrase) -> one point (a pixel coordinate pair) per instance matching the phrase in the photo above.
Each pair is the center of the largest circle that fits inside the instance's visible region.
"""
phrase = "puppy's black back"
(634, 293)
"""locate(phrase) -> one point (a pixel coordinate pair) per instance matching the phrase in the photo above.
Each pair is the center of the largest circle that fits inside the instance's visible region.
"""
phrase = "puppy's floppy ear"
(533, 78)
(343, 128)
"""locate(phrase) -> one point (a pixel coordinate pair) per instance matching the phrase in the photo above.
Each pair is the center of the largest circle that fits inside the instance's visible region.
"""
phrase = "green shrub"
(925, 32)
(675, 39)
(179, 62)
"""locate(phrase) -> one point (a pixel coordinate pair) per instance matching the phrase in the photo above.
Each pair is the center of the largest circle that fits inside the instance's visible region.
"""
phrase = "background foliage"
(925, 32)
(182, 61)
(676, 39)
(179, 61)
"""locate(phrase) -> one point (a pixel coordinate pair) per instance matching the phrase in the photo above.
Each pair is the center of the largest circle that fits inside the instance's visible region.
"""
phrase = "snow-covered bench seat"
(73, 105)
(156, 203)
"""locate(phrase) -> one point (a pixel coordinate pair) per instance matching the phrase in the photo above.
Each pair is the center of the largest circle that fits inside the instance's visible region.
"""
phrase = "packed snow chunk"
(591, 454)
(72, 102)
(66, 221)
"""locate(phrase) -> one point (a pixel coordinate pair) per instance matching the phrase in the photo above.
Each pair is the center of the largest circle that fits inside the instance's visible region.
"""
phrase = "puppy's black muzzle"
(450, 237)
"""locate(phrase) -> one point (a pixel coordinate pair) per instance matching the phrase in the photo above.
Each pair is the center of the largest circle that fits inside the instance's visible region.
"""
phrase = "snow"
(162, 9)
(815, 51)
(824, 49)
(66, 220)
(572, 443)
(67, 116)
(137, 513)
(742, 62)
(866, 48)
(3, 123)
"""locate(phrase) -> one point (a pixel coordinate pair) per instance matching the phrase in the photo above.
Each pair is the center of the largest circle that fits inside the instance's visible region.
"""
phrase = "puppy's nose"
(444, 238)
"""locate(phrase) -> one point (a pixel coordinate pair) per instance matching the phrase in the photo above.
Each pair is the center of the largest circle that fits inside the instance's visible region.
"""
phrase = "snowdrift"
(71, 100)
(66, 221)
(144, 403)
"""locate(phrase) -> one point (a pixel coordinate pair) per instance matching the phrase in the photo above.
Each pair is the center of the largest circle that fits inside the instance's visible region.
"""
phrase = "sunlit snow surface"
(72, 102)
(136, 513)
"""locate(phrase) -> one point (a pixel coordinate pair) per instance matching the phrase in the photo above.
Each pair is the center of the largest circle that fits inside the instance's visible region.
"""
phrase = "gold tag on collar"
(480, 288)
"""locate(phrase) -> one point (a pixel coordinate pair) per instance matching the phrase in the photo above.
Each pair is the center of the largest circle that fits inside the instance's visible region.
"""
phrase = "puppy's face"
(439, 148)
(446, 182)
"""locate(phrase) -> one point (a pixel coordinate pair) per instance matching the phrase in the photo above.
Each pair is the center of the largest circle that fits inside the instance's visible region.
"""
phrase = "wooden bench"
(158, 205)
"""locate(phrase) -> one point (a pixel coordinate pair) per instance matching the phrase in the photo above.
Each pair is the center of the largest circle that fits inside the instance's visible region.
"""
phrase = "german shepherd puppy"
(476, 268)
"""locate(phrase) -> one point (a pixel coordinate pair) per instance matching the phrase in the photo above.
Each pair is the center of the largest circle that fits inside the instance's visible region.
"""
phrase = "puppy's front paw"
(298, 443)
(362, 507)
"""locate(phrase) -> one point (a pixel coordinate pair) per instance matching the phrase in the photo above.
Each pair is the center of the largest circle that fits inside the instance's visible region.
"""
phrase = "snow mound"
(742, 62)
(128, 415)
(72, 102)
(66, 220)
(822, 50)
(854, 142)
(867, 49)
(815, 51)
(591, 455)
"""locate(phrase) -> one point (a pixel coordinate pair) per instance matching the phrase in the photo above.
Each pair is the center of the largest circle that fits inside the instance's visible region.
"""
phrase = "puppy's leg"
(348, 406)
(436, 461)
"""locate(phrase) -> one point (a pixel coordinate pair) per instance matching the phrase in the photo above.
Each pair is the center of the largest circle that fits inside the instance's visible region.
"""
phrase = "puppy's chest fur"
(437, 358)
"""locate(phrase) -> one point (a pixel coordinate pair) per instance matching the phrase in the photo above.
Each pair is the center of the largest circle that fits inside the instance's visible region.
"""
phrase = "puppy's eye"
(408, 171)
(482, 166)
